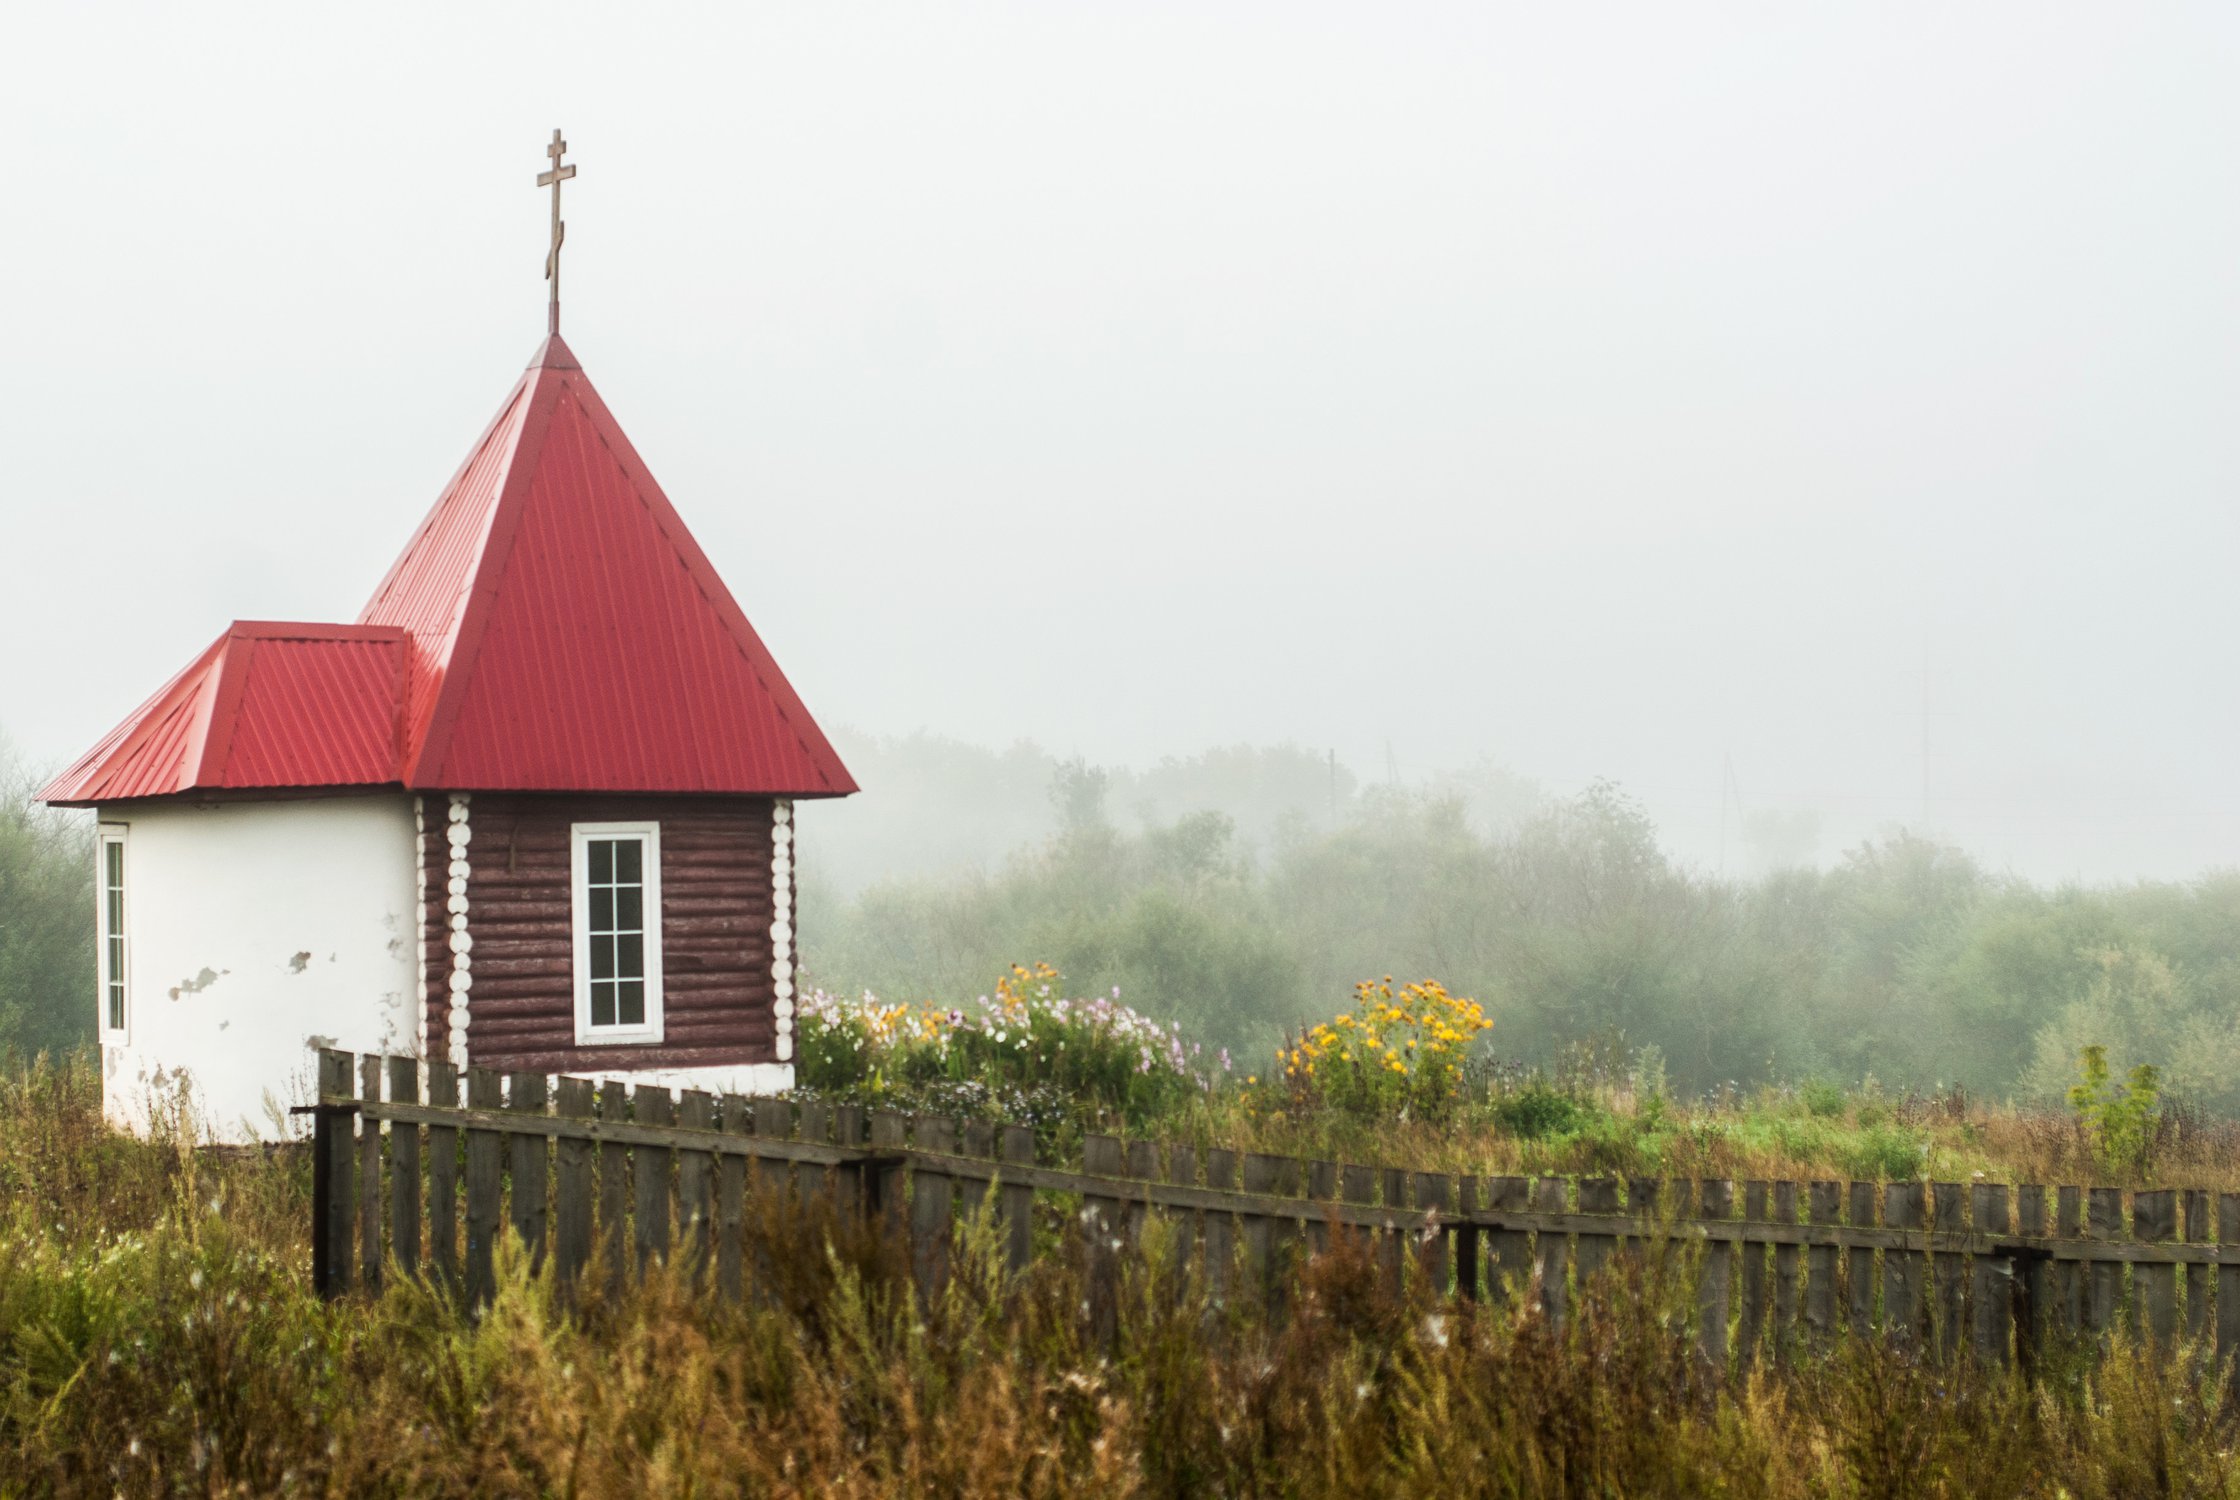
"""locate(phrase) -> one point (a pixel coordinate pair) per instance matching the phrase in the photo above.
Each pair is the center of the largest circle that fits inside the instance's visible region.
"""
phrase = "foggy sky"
(1611, 390)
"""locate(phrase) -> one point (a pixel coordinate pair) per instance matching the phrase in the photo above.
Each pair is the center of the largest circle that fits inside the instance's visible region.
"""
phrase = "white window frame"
(580, 837)
(111, 835)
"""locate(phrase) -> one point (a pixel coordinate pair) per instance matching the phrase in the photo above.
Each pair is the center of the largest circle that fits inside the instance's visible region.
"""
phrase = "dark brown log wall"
(715, 932)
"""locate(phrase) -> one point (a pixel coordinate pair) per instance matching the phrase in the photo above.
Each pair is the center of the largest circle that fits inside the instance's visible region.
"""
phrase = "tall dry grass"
(157, 1336)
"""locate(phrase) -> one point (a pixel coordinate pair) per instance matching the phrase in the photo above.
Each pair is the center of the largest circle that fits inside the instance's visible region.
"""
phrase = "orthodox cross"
(552, 180)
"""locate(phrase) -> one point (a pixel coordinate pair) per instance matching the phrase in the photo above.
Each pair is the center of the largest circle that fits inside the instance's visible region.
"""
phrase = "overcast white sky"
(1609, 389)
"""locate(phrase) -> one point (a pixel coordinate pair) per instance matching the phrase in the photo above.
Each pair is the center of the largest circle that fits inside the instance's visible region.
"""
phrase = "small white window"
(617, 888)
(113, 960)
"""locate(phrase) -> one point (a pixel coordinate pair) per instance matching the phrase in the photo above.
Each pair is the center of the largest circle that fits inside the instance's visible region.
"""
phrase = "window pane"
(633, 1005)
(602, 1002)
(114, 849)
(116, 1007)
(602, 861)
(629, 861)
(630, 909)
(602, 908)
(630, 956)
(602, 957)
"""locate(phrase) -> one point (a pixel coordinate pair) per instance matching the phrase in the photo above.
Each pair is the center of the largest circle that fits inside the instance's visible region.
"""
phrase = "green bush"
(1537, 1112)
(1822, 1098)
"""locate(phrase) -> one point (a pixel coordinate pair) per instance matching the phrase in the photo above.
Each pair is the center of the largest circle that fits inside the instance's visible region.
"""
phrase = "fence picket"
(1322, 1187)
(649, 1171)
(1597, 1195)
(1991, 1276)
(2154, 1302)
(1140, 1161)
(1903, 1304)
(1467, 1248)
(2198, 1232)
(525, 1094)
(1950, 1271)
(1859, 1264)
(979, 1141)
(932, 1209)
(1358, 1184)
(2228, 1283)
(443, 1177)
(484, 1092)
(1221, 1228)
(404, 1170)
(1101, 1157)
(1509, 1251)
(573, 1098)
(1825, 1203)
(1714, 1204)
(2104, 1280)
(1787, 1286)
(849, 1124)
(1552, 1195)
(1182, 1171)
(816, 1125)
(2069, 1275)
(1259, 1229)
(369, 1175)
(731, 1202)
(696, 1110)
(2033, 1280)
(1750, 1326)
(1017, 1204)
(614, 1189)
(1433, 1191)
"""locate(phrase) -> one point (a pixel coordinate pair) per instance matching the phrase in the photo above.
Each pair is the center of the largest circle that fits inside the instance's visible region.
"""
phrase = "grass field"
(158, 1336)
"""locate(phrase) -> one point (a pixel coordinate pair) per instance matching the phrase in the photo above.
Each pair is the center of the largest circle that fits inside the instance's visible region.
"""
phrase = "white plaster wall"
(256, 931)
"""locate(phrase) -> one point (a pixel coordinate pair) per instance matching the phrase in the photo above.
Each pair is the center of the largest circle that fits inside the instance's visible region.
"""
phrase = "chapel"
(532, 810)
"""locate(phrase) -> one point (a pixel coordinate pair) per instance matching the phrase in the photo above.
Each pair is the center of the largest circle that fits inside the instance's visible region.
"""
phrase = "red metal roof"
(267, 705)
(551, 626)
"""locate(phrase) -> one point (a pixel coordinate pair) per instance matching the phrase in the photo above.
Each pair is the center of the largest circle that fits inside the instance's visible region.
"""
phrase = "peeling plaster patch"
(199, 983)
(300, 962)
(222, 1025)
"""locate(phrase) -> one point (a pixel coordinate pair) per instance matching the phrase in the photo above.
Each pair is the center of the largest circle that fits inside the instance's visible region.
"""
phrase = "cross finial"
(552, 180)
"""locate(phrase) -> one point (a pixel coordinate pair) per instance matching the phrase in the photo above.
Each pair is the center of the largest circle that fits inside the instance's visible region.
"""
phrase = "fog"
(1809, 416)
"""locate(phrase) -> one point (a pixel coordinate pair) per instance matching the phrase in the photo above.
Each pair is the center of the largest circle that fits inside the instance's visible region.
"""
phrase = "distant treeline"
(1244, 892)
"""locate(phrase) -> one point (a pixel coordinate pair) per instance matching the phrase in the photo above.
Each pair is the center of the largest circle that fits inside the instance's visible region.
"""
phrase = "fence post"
(404, 1170)
(1902, 1205)
(1467, 1238)
(1432, 1190)
(1597, 1195)
(334, 1199)
(2228, 1283)
(1509, 1251)
(2068, 1275)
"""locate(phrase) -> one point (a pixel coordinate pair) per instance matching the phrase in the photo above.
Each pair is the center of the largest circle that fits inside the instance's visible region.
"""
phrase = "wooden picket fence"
(645, 1174)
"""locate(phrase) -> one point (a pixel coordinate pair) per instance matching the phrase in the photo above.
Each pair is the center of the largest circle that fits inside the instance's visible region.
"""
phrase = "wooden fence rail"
(644, 1173)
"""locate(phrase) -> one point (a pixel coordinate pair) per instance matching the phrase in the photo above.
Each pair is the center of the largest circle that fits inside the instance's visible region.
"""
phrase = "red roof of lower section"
(551, 626)
(568, 634)
(266, 706)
